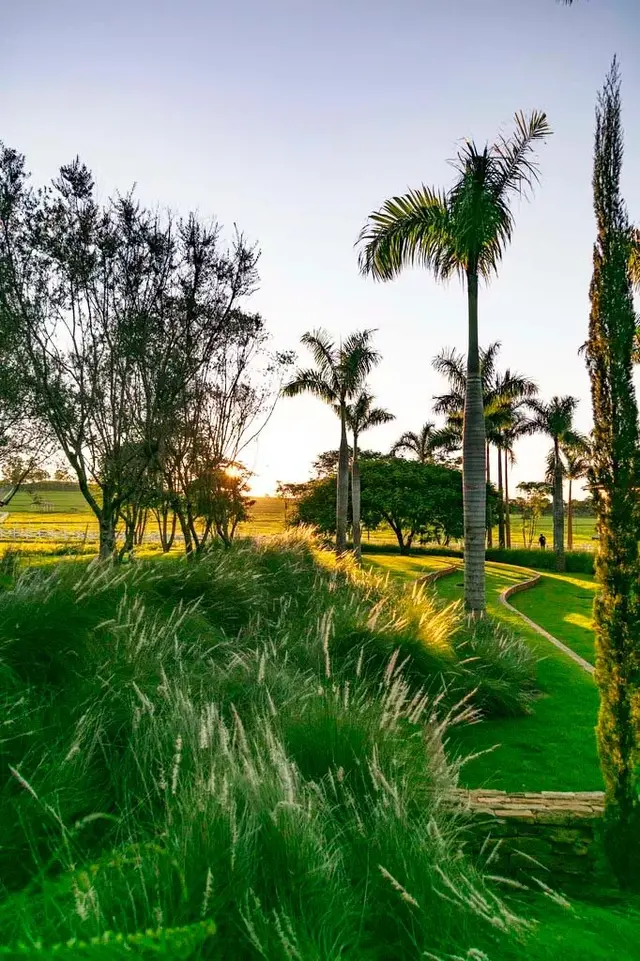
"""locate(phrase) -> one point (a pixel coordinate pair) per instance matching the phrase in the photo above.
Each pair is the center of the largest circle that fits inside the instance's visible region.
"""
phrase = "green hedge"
(577, 562)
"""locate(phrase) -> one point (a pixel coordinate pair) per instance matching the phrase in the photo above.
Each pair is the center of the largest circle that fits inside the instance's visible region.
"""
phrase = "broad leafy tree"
(340, 372)
(411, 498)
(463, 230)
(362, 415)
(614, 475)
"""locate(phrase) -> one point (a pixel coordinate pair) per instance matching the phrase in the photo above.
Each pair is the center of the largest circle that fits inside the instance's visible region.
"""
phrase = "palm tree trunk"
(507, 515)
(474, 466)
(489, 508)
(501, 538)
(558, 510)
(355, 500)
(569, 520)
(342, 488)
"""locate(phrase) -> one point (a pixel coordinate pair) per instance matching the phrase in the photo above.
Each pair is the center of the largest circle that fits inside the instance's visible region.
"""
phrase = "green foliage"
(411, 497)
(577, 562)
(241, 739)
(610, 352)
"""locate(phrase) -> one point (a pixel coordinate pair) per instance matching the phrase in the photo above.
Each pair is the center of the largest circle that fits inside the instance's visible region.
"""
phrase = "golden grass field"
(68, 522)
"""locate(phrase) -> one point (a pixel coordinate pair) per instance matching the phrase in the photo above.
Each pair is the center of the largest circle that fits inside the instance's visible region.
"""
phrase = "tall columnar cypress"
(615, 461)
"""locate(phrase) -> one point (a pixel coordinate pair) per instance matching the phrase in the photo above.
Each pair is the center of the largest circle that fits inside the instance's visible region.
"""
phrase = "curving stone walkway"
(525, 586)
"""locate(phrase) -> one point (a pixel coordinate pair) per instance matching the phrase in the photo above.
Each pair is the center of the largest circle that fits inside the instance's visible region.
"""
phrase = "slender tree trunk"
(558, 510)
(489, 507)
(501, 536)
(107, 528)
(569, 521)
(507, 514)
(474, 466)
(342, 483)
(355, 500)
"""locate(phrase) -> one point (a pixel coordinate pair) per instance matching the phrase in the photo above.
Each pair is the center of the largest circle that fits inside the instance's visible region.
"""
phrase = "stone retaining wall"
(434, 575)
(549, 835)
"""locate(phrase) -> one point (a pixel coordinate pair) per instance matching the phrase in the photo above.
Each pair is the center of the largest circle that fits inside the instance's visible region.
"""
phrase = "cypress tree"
(609, 352)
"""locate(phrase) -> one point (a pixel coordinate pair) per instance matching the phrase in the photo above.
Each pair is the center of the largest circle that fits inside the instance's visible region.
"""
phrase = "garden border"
(525, 586)
(435, 575)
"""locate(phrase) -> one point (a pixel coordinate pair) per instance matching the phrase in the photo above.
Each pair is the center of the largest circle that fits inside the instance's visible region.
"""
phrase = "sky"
(294, 119)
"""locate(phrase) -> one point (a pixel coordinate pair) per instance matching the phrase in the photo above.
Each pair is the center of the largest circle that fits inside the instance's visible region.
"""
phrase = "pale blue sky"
(295, 118)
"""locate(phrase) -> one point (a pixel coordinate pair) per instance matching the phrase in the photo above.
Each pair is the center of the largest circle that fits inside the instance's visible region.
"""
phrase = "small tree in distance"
(531, 505)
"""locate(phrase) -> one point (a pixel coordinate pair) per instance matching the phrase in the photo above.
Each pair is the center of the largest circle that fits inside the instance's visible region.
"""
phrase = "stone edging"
(434, 575)
(544, 807)
(525, 586)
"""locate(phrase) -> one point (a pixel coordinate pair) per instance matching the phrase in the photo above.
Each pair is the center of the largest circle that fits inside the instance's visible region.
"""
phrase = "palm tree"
(338, 376)
(462, 231)
(576, 466)
(501, 394)
(361, 416)
(555, 419)
(518, 426)
(424, 444)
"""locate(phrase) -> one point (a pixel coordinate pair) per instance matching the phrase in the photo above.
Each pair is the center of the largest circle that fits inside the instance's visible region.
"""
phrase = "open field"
(71, 521)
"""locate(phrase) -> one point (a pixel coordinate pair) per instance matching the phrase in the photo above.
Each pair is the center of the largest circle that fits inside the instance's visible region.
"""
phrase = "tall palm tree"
(555, 419)
(361, 416)
(462, 231)
(518, 426)
(501, 394)
(340, 371)
(576, 466)
(424, 444)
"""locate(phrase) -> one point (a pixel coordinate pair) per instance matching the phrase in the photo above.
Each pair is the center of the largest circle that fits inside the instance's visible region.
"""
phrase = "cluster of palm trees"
(511, 410)
(339, 379)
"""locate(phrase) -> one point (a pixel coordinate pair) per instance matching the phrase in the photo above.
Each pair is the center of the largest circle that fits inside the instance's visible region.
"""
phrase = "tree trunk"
(107, 527)
(507, 515)
(342, 484)
(355, 500)
(569, 521)
(501, 537)
(474, 466)
(558, 510)
(489, 507)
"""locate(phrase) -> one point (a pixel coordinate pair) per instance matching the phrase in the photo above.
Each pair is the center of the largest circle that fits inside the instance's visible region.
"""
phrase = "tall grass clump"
(240, 758)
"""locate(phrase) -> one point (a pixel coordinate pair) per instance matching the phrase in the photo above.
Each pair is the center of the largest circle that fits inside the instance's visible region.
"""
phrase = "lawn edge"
(528, 585)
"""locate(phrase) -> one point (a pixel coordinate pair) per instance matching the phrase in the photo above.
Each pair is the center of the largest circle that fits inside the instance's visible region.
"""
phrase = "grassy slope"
(563, 605)
(552, 750)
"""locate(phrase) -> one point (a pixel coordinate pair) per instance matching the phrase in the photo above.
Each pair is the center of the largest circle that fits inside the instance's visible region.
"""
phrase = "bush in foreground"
(249, 740)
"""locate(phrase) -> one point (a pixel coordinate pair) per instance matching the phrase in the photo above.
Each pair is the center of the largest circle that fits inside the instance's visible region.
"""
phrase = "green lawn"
(553, 749)
(563, 605)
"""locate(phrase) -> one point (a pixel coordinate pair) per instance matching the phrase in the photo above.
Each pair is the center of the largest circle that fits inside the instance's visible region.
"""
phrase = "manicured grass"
(563, 605)
(554, 748)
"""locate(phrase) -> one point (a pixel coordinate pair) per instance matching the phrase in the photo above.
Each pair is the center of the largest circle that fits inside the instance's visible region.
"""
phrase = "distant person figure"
(542, 541)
